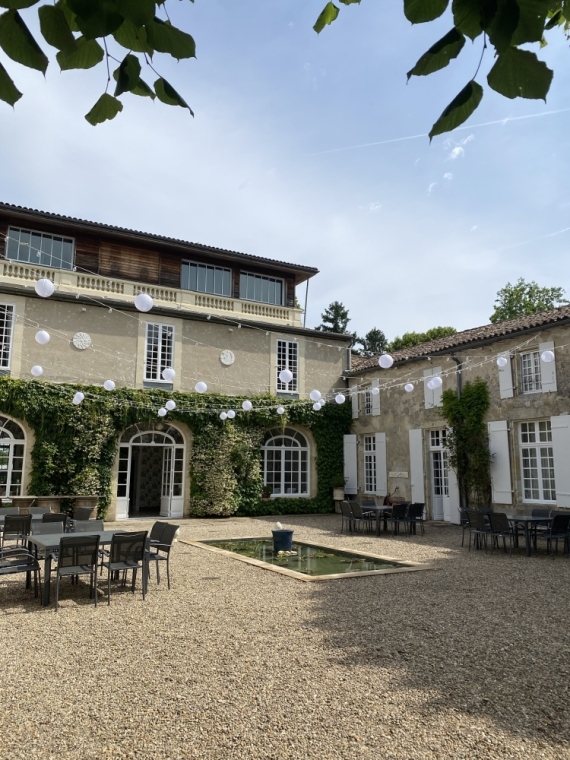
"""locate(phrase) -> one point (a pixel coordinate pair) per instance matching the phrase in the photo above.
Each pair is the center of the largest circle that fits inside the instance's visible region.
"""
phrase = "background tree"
(525, 298)
(409, 339)
(87, 32)
(503, 25)
(335, 319)
(374, 342)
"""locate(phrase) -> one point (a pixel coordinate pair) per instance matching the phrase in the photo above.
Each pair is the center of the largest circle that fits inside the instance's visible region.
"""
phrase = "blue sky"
(406, 234)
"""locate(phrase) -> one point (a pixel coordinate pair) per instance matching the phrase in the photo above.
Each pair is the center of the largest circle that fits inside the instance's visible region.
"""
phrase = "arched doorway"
(286, 462)
(12, 449)
(151, 472)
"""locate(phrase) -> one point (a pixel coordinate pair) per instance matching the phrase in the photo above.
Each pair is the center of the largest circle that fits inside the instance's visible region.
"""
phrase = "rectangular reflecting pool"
(308, 562)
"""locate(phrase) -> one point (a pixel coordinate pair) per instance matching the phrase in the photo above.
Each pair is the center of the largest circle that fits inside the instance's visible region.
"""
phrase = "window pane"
(56, 254)
(227, 285)
(265, 290)
(24, 250)
(258, 289)
(218, 288)
(201, 286)
(242, 285)
(209, 279)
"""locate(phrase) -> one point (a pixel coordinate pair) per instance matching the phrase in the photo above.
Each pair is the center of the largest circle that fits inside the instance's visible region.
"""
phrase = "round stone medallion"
(81, 340)
(227, 358)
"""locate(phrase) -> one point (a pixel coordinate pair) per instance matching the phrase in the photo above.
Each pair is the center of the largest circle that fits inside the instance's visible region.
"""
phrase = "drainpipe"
(459, 376)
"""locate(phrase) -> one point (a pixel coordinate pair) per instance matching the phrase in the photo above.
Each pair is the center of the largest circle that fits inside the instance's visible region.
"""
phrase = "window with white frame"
(257, 287)
(204, 278)
(537, 461)
(12, 447)
(369, 464)
(288, 358)
(367, 401)
(159, 350)
(286, 463)
(439, 462)
(530, 372)
(6, 332)
(39, 249)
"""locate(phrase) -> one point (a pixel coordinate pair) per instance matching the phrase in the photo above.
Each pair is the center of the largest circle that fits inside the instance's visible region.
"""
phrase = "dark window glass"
(39, 249)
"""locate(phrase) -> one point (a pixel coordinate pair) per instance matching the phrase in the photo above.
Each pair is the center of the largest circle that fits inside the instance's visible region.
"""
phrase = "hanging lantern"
(385, 361)
(109, 385)
(168, 374)
(42, 337)
(315, 395)
(170, 405)
(502, 361)
(231, 414)
(223, 416)
(143, 302)
(430, 384)
(247, 406)
(317, 407)
(322, 401)
(78, 398)
(201, 387)
(339, 398)
(162, 412)
(285, 376)
(280, 410)
(408, 387)
(547, 356)
(375, 391)
(37, 371)
(437, 382)
(44, 287)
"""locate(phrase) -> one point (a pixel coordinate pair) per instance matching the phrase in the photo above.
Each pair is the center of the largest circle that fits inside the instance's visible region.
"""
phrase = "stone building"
(225, 318)
(397, 442)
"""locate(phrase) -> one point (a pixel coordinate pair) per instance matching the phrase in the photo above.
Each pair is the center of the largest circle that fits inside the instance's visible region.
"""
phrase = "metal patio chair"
(54, 517)
(127, 553)
(558, 530)
(346, 514)
(478, 527)
(78, 555)
(159, 549)
(360, 518)
(416, 516)
(16, 528)
(20, 560)
(88, 526)
(399, 516)
(500, 527)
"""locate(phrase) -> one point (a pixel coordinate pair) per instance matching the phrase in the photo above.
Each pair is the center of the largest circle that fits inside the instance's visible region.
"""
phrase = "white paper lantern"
(430, 384)
(322, 401)
(315, 395)
(143, 302)
(231, 414)
(317, 407)
(247, 406)
(437, 382)
(78, 398)
(168, 374)
(162, 412)
(37, 371)
(502, 361)
(109, 385)
(408, 387)
(547, 356)
(339, 398)
(201, 387)
(223, 416)
(285, 376)
(44, 287)
(42, 337)
(170, 405)
(375, 391)
(385, 361)
(280, 410)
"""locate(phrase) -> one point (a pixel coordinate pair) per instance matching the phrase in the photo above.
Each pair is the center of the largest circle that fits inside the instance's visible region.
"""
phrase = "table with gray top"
(527, 521)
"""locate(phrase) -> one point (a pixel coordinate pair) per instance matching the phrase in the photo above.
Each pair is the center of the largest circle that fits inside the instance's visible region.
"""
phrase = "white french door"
(172, 498)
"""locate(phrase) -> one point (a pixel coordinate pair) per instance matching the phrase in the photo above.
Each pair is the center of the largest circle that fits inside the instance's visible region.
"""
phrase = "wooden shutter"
(350, 464)
(354, 394)
(375, 399)
(547, 369)
(417, 466)
(561, 449)
(502, 492)
(437, 391)
(381, 469)
(451, 501)
(506, 387)
(428, 393)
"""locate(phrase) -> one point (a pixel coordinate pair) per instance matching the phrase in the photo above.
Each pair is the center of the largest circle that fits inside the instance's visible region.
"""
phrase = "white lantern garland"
(170, 405)
(168, 374)
(385, 361)
(375, 391)
(247, 406)
(285, 376)
(78, 398)
(42, 337)
(144, 302)
(37, 371)
(162, 412)
(280, 410)
(223, 416)
(317, 407)
(547, 356)
(502, 361)
(315, 395)
(109, 385)
(44, 287)
(408, 387)
(436, 381)
(339, 398)
(201, 387)
(231, 414)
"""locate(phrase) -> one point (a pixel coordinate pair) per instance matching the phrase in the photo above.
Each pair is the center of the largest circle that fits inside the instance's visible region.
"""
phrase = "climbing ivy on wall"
(75, 446)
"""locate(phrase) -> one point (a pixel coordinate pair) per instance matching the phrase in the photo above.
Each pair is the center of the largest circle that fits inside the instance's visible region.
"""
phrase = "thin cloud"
(475, 227)
(448, 176)
(533, 240)
(456, 152)
(431, 188)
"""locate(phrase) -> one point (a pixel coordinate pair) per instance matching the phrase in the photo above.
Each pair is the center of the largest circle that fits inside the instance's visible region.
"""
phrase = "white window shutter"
(428, 393)
(437, 391)
(547, 369)
(501, 486)
(375, 399)
(350, 464)
(354, 395)
(561, 449)
(381, 469)
(506, 387)
(417, 466)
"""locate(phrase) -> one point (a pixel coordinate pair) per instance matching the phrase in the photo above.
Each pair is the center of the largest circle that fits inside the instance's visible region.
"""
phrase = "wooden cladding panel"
(290, 297)
(170, 271)
(87, 254)
(129, 263)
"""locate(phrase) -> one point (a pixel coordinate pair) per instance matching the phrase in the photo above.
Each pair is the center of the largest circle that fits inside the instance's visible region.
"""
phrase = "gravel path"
(470, 661)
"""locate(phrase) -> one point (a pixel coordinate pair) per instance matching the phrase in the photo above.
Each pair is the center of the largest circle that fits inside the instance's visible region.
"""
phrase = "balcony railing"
(96, 286)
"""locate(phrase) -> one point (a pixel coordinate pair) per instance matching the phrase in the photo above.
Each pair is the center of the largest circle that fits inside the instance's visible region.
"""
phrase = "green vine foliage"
(468, 441)
(76, 446)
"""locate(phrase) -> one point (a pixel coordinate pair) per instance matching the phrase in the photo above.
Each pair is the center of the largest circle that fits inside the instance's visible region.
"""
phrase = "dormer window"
(203, 278)
(256, 287)
(39, 249)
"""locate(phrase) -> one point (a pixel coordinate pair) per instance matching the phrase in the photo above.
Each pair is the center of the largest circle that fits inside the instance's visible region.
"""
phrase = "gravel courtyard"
(471, 660)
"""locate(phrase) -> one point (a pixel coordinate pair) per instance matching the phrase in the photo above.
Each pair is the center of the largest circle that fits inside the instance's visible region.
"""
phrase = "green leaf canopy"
(55, 29)
(85, 55)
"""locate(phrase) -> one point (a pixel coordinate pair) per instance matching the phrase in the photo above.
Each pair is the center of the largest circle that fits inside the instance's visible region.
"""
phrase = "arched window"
(286, 462)
(12, 443)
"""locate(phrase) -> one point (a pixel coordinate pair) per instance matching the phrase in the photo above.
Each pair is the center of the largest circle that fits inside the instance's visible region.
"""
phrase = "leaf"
(503, 26)
(439, 55)
(96, 18)
(344, 2)
(17, 4)
(86, 54)
(55, 28)
(167, 94)
(128, 74)
(17, 42)
(420, 11)
(9, 93)
(328, 14)
(68, 13)
(142, 88)
(531, 22)
(555, 20)
(138, 11)
(133, 38)
(519, 74)
(165, 38)
(459, 110)
(106, 108)
(473, 16)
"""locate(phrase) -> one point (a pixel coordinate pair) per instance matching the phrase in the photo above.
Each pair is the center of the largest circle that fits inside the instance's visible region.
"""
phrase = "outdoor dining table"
(527, 521)
(49, 542)
(380, 511)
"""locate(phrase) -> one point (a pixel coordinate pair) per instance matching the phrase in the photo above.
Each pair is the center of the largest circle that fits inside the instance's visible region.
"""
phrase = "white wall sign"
(398, 475)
